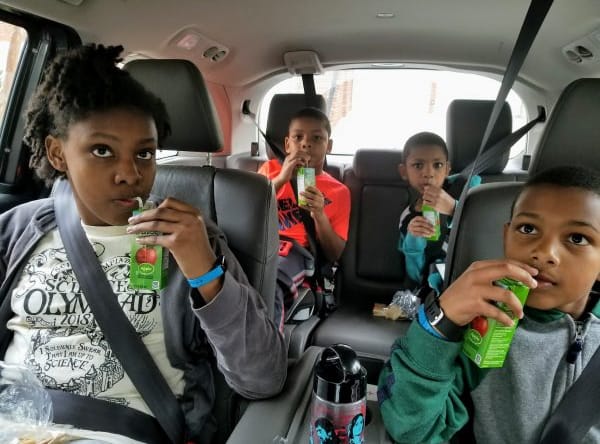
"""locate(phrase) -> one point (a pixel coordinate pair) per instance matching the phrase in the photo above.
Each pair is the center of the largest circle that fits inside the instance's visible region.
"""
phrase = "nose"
(127, 172)
(545, 252)
(427, 170)
(305, 143)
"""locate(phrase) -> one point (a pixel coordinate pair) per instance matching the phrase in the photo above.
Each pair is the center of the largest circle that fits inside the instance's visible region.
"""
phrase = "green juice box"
(305, 177)
(148, 263)
(433, 216)
(487, 341)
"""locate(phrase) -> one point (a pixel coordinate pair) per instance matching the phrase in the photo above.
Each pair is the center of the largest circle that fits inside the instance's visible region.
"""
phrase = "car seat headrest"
(466, 121)
(572, 133)
(377, 164)
(179, 84)
(281, 110)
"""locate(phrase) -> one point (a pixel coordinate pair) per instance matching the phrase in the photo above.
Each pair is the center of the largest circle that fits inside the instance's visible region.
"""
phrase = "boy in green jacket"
(552, 245)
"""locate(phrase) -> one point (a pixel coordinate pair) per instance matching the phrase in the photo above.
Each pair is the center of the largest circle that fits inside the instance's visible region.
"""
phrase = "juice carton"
(148, 263)
(305, 177)
(486, 340)
(433, 216)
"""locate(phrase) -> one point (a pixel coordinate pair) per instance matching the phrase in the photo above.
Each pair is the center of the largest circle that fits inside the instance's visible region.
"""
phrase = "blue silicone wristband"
(207, 277)
(424, 322)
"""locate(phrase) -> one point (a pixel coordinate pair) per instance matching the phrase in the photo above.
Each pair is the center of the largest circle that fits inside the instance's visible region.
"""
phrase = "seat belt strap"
(310, 92)
(494, 152)
(277, 150)
(538, 9)
(578, 410)
(310, 96)
(89, 413)
(315, 250)
(120, 334)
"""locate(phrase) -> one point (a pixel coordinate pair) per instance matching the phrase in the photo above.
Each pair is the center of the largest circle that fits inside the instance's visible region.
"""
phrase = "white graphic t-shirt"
(55, 333)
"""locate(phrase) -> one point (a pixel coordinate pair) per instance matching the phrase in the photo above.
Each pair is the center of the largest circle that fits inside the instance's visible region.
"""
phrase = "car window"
(381, 108)
(12, 42)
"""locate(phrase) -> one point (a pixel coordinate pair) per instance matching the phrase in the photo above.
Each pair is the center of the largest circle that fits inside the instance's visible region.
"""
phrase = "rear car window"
(381, 108)
(12, 42)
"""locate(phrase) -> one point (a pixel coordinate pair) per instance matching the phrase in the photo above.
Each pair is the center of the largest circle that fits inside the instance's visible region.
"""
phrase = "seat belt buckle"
(285, 247)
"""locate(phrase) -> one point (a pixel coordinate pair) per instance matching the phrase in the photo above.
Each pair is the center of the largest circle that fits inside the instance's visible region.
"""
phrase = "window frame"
(44, 39)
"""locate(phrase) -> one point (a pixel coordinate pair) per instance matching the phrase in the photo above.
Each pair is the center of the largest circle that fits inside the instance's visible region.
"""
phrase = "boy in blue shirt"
(426, 168)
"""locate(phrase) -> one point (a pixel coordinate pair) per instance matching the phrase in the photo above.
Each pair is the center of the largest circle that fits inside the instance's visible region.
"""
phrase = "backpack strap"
(120, 334)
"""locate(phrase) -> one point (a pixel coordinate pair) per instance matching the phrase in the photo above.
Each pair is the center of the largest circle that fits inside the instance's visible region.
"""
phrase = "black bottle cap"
(339, 376)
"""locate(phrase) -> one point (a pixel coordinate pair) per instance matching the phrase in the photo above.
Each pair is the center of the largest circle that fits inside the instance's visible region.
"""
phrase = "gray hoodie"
(234, 327)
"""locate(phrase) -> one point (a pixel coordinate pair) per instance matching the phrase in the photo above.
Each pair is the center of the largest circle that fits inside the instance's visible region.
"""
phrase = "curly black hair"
(77, 83)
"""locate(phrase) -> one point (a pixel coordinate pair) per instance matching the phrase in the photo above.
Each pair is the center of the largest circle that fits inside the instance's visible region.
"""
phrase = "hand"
(474, 294)
(183, 233)
(291, 163)
(420, 227)
(315, 201)
(438, 199)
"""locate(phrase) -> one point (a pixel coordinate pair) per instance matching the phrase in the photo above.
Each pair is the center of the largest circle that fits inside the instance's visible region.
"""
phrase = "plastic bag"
(24, 403)
(404, 305)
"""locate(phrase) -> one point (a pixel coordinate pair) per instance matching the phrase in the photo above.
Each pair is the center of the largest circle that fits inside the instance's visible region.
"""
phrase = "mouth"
(544, 281)
(127, 202)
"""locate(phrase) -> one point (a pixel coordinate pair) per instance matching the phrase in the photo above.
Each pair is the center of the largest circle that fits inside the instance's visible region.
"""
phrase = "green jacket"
(423, 385)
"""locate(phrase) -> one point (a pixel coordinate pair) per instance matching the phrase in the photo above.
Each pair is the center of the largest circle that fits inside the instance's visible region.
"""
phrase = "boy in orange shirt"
(328, 203)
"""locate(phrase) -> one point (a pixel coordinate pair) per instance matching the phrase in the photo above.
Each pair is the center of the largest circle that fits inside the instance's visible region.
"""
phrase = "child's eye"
(417, 165)
(578, 239)
(146, 154)
(102, 151)
(526, 229)
(438, 165)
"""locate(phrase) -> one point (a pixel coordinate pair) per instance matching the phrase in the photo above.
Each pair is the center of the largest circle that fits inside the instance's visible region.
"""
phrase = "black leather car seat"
(570, 137)
(466, 121)
(240, 202)
(371, 268)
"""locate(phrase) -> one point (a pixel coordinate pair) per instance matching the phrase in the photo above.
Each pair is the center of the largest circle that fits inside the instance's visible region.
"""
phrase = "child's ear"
(329, 146)
(402, 170)
(286, 144)
(448, 168)
(54, 153)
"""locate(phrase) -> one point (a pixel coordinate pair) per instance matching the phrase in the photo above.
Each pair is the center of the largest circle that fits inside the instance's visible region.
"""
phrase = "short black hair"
(423, 138)
(313, 113)
(564, 177)
(76, 84)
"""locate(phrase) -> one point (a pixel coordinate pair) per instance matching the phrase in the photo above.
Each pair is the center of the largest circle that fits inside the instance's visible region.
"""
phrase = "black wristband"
(438, 320)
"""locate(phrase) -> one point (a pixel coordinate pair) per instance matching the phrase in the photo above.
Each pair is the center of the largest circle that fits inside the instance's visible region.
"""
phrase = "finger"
(499, 295)
(169, 222)
(175, 204)
(492, 270)
(493, 312)
(153, 239)
(164, 214)
(313, 190)
(169, 209)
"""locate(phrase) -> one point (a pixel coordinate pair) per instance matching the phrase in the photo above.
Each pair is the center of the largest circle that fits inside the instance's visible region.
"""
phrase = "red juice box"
(487, 341)
(148, 263)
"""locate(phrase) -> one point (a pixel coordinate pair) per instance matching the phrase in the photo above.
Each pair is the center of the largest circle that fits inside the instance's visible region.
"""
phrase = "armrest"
(264, 420)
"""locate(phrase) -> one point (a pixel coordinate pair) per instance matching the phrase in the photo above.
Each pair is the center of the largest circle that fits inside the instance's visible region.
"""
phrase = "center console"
(285, 418)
